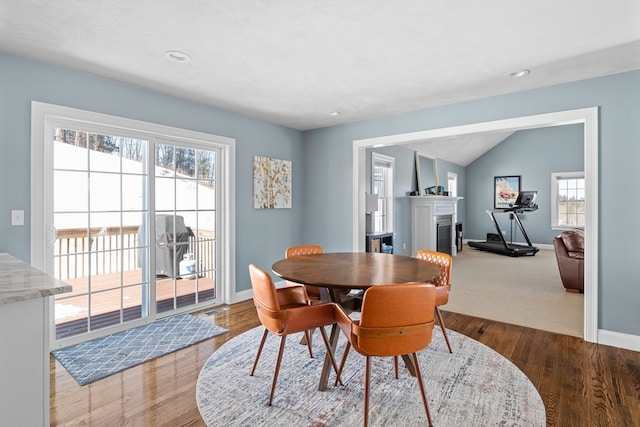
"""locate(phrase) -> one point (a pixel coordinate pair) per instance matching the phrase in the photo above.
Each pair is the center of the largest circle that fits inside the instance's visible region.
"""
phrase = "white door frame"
(588, 117)
(42, 115)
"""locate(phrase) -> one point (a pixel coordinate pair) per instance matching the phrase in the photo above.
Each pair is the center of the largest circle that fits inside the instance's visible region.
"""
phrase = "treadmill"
(524, 203)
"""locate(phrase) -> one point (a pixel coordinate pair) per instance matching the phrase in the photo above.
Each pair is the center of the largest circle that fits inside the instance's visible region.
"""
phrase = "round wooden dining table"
(354, 270)
(336, 272)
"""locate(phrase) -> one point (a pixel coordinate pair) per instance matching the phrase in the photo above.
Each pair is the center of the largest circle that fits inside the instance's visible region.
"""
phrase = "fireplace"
(432, 223)
(443, 233)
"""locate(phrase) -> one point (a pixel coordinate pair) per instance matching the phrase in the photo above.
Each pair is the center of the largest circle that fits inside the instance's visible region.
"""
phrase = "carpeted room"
(525, 291)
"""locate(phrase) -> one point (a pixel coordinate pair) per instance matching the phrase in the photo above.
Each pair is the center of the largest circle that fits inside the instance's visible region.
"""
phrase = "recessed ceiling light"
(177, 56)
(334, 113)
(518, 73)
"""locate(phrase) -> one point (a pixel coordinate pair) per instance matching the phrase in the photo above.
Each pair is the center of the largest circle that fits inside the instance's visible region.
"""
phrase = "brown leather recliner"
(569, 246)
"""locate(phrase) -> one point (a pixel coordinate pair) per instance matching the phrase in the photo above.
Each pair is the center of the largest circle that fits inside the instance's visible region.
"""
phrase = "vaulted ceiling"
(295, 62)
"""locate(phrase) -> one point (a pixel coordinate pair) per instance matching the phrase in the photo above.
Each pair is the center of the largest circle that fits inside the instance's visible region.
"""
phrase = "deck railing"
(106, 250)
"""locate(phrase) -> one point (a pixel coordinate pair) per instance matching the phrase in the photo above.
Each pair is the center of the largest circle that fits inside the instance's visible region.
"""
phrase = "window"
(567, 200)
(452, 184)
(382, 172)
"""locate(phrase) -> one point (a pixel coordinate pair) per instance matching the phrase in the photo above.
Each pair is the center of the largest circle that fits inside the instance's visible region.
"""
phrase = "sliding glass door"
(185, 225)
(133, 228)
(99, 204)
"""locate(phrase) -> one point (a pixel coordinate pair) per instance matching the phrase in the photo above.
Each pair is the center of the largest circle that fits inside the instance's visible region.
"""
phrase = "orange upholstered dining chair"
(442, 282)
(285, 311)
(395, 320)
(313, 292)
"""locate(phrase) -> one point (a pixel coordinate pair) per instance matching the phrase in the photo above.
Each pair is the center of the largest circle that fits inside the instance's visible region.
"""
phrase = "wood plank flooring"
(581, 384)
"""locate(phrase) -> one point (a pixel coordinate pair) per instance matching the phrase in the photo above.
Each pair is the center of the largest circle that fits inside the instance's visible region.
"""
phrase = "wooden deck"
(72, 309)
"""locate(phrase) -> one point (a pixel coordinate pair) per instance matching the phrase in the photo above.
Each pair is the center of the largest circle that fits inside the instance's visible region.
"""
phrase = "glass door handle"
(52, 234)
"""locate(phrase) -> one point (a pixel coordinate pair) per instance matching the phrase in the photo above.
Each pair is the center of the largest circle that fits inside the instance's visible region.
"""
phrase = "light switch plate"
(17, 217)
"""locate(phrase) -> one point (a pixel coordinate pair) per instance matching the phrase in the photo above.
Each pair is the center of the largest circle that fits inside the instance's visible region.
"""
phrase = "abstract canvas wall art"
(271, 183)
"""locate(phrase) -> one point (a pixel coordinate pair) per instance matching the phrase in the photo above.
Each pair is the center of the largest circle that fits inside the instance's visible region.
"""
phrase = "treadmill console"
(526, 200)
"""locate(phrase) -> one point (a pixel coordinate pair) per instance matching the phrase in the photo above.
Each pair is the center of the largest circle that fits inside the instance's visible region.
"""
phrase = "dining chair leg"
(255, 363)
(422, 392)
(444, 330)
(330, 353)
(283, 340)
(307, 336)
(367, 379)
(395, 365)
(344, 359)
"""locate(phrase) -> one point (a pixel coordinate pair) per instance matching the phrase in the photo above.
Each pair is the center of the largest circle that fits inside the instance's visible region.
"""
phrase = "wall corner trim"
(618, 339)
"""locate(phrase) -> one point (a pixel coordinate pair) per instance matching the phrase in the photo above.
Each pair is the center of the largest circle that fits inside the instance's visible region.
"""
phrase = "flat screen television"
(526, 199)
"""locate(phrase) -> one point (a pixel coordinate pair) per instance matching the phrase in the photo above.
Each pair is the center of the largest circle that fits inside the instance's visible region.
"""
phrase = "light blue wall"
(405, 182)
(534, 154)
(328, 208)
(262, 235)
(323, 165)
(443, 168)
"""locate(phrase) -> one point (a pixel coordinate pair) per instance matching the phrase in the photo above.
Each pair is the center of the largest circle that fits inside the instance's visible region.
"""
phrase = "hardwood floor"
(581, 384)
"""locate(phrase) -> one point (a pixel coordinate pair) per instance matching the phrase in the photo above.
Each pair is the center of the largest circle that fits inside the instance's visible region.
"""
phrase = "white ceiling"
(292, 62)
(462, 149)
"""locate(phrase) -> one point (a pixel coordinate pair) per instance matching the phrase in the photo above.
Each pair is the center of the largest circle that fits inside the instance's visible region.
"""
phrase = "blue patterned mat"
(99, 358)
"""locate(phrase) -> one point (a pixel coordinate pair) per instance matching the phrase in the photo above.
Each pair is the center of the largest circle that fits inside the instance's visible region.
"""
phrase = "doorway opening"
(588, 117)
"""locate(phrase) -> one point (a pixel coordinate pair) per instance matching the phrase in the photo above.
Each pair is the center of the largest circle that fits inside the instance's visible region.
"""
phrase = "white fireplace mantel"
(425, 211)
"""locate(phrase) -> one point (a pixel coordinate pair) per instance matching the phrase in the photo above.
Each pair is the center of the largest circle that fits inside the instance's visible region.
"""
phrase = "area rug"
(474, 386)
(96, 359)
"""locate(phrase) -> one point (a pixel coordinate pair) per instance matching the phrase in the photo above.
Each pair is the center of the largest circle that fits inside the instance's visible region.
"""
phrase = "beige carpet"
(524, 291)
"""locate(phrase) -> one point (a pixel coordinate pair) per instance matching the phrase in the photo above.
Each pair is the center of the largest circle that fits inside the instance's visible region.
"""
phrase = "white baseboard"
(620, 340)
(543, 246)
(248, 294)
(240, 296)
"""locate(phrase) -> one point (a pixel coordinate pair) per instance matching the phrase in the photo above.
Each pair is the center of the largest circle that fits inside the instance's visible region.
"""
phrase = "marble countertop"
(20, 281)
